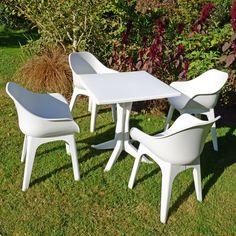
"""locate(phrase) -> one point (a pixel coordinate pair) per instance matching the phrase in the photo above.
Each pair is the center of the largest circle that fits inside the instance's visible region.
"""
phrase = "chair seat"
(54, 129)
(50, 116)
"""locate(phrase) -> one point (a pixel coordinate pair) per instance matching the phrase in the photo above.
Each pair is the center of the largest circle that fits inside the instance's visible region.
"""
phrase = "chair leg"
(90, 105)
(68, 149)
(34, 143)
(73, 152)
(169, 173)
(93, 117)
(73, 99)
(166, 188)
(211, 116)
(32, 146)
(197, 181)
(114, 112)
(169, 116)
(24, 149)
(134, 171)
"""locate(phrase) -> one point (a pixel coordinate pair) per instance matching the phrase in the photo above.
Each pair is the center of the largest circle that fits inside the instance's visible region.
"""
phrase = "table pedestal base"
(121, 140)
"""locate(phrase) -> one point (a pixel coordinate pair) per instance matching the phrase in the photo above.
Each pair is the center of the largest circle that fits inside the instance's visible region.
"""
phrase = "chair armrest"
(170, 145)
(58, 119)
(183, 122)
(138, 135)
(193, 96)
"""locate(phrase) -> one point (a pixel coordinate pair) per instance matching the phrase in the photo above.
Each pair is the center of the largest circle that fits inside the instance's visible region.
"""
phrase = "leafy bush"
(71, 24)
(159, 57)
(203, 45)
(190, 42)
(170, 39)
(204, 49)
(229, 48)
(10, 21)
(229, 59)
(155, 55)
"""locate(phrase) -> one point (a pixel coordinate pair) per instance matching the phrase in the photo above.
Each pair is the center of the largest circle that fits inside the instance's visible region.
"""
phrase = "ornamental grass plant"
(47, 72)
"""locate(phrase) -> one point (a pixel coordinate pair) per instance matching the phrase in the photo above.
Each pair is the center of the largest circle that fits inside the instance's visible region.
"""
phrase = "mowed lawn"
(101, 203)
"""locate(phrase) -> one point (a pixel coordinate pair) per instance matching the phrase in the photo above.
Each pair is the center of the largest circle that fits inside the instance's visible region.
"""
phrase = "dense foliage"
(178, 40)
(172, 39)
(200, 34)
(74, 25)
(9, 21)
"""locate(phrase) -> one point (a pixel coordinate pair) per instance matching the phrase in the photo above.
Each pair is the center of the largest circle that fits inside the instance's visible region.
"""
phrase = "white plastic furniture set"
(123, 89)
(46, 117)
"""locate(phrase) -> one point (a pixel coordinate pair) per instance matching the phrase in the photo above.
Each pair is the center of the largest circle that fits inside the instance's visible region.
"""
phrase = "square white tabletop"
(125, 87)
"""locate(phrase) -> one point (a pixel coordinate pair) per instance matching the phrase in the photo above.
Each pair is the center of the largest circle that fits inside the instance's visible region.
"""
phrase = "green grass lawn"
(101, 203)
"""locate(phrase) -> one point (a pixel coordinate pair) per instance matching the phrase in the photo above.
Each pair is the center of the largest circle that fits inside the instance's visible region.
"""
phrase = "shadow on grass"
(69, 165)
(14, 39)
(146, 176)
(50, 174)
(100, 111)
(109, 134)
(213, 164)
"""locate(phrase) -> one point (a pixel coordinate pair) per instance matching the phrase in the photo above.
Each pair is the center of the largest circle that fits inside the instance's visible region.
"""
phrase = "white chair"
(87, 63)
(43, 118)
(198, 96)
(174, 150)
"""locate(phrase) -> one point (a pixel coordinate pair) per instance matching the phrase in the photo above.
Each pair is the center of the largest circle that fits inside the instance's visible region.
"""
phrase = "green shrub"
(75, 25)
(204, 49)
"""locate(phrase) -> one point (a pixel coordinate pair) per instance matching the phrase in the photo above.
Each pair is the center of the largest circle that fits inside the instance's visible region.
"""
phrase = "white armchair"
(198, 96)
(87, 63)
(174, 150)
(43, 118)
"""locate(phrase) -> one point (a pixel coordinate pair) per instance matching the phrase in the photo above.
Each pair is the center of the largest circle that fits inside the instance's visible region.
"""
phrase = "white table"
(123, 89)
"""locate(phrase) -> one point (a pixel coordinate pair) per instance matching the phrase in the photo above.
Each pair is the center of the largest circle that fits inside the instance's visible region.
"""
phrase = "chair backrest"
(86, 63)
(211, 83)
(202, 92)
(182, 143)
(34, 106)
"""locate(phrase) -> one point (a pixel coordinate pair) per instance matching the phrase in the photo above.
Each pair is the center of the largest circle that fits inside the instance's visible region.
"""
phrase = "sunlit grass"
(101, 203)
